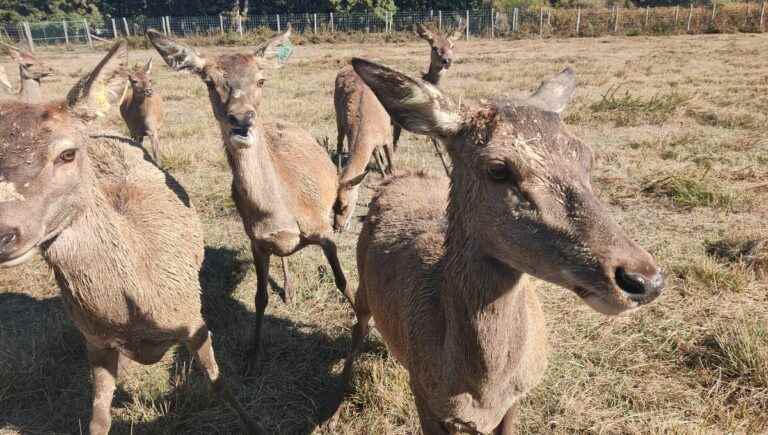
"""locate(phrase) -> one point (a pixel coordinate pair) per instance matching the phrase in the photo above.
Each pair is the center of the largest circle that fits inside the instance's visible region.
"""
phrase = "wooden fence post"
(221, 23)
(66, 34)
(578, 20)
(127, 30)
(762, 15)
(467, 24)
(28, 35)
(492, 22)
(278, 23)
(616, 23)
(240, 25)
(440, 20)
(314, 22)
(647, 13)
(541, 22)
(114, 29)
(690, 17)
(168, 25)
(88, 33)
(677, 9)
(714, 11)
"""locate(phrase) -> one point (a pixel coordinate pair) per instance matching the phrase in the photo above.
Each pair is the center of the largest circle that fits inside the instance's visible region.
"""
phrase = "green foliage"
(378, 7)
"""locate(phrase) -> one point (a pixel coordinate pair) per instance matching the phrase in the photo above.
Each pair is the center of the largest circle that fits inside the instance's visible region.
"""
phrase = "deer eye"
(260, 82)
(67, 156)
(499, 172)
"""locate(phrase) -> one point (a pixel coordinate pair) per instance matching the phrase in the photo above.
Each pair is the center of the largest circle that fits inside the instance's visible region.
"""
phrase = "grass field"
(679, 128)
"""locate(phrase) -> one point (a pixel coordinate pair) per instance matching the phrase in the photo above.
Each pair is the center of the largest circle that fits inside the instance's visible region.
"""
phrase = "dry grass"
(690, 109)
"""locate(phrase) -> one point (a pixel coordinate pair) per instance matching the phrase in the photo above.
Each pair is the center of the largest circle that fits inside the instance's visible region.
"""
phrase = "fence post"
(28, 34)
(162, 25)
(714, 11)
(114, 29)
(541, 22)
(578, 20)
(677, 8)
(467, 24)
(221, 23)
(440, 20)
(690, 17)
(762, 15)
(66, 34)
(331, 22)
(492, 23)
(647, 12)
(168, 25)
(278, 23)
(616, 23)
(125, 24)
(88, 33)
(314, 21)
(240, 25)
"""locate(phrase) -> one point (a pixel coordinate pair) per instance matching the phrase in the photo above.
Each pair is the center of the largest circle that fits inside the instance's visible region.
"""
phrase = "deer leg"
(155, 141)
(331, 254)
(396, 130)
(388, 154)
(261, 260)
(200, 345)
(339, 147)
(287, 287)
(104, 367)
(442, 157)
(379, 161)
(508, 424)
(429, 424)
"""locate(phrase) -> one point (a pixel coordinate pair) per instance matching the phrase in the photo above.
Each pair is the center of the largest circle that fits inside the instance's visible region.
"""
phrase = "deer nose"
(243, 120)
(447, 62)
(8, 238)
(640, 287)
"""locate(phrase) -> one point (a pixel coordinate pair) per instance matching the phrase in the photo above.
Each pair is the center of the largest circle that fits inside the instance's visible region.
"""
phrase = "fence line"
(491, 23)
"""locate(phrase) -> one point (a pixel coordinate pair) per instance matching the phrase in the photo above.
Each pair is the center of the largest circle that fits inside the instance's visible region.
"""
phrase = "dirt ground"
(679, 129)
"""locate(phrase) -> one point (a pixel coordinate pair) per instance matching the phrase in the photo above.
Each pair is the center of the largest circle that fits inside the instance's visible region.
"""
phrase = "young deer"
(142, 109)
(440, 60)
(365, 124)
(283, 184)
(125, 248)
(444, 266)
(31, 72)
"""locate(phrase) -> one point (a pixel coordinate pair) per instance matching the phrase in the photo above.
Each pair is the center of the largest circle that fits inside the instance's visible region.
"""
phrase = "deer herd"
(444, 262)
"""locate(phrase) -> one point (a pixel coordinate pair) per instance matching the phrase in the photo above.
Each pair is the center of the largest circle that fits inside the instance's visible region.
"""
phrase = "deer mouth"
(20, 259)
(241, 136)
(608, 305)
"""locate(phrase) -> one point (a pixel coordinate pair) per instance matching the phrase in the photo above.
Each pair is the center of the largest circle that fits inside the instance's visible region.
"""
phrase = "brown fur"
(283, 182)
(4, 82)
(360, 118)
(142, 109)
(444, 269)
(125, 248)
(31, 72)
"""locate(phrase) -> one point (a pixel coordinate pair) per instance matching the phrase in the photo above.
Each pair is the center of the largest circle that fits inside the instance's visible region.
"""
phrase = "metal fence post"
(541, 22)
(331, 22)
(278, 22)
(578, 20)
(616, 23)
(467, 24)
(88, 33)
(221, 23)
(66, 34)
(127, 30)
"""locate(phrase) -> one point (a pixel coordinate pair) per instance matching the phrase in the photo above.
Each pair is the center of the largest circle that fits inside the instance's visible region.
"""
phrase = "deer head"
(441, 45)
(30, 67)
(140, 79)
(345, 201)
(44, 162)
(235, 81)
(521, 189)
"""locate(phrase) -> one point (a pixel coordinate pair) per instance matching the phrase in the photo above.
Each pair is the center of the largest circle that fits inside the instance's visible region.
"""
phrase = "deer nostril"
(249, 117)
(233, 119)
(632, 283)
(7, 240)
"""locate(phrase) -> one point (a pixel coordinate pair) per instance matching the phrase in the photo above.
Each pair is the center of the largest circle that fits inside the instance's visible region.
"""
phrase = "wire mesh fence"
(482, 23)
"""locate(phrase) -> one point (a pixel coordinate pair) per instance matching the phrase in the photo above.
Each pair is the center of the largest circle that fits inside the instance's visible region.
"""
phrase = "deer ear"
(16, 54)
(424, 33)
(96, 93)
(554, 94)
(418, 107)
(178, 56)
(352, 182)
(458, 33)
(148, 66)
(277, 50)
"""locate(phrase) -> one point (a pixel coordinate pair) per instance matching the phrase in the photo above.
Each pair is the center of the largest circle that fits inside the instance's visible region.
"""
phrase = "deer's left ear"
(457, 34)
(554, 94)
(148, 66)
(95, 94)
(178, 56)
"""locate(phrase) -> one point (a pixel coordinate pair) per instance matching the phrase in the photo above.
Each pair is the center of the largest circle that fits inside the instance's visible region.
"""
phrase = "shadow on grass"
(45, 384)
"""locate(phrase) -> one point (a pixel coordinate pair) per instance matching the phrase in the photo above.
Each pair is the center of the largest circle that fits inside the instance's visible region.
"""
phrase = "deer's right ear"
(418, 107)
(352, 182)
(178, 56)
(95, 94)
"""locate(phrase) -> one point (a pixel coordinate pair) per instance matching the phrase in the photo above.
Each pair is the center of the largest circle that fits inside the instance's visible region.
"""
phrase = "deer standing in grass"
(444, 267)
(283, 182)
(440, 60)
(31, 72)
(124, 244)
(142, 109)
(362, 120)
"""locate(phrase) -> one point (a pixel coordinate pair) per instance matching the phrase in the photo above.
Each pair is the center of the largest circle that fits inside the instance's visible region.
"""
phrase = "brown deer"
(283, 182)
(142, 109)
(31, 72)
(440, 60)
(444, 267)
(362, 120)
(125, 248)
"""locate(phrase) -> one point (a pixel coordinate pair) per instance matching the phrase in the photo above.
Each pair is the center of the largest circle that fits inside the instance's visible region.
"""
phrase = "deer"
(283, 182)
(362, 120)
(142, 109)
(31, 72)
(445, 265)
(4, 82)
(125, 249)
(440, 60)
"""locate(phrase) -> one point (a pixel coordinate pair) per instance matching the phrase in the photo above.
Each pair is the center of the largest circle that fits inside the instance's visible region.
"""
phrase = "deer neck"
(30, 91)
(433, 74)
(483, 300)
